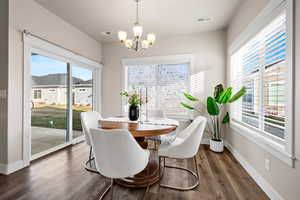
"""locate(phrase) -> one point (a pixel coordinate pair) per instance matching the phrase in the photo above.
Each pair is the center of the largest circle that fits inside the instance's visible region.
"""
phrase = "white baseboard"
(264, 185)
(11, 167)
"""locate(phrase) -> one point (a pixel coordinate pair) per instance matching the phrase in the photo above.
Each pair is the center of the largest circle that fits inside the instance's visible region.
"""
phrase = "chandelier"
(137, 43)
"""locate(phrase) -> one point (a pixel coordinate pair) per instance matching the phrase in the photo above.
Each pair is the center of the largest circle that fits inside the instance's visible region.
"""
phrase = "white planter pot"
(216, 146)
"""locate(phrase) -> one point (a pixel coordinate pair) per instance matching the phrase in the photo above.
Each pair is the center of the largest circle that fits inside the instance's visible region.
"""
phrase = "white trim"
(158, 60)
(41, 47)
(97, 89)
(290, 89)
(64, 54)
(273, 8)
(78, 139)
(69, 131)
(26, 103)
(7, 169)
(51, 150)
(283, 150)
(263, 184)
(265, 143)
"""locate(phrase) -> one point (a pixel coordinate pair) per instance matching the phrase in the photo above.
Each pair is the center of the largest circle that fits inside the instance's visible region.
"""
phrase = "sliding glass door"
(59, 93)
(49, 103)
(82, 96)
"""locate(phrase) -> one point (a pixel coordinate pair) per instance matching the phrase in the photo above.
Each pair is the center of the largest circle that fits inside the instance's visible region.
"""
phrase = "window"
(37, 94)
(260, 65)
(165, 84)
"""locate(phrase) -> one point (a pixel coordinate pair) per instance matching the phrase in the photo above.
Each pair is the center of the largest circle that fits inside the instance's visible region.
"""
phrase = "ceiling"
(162, 17)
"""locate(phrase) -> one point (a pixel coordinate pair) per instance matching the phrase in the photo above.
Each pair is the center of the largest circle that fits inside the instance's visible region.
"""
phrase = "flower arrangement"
(134, 98)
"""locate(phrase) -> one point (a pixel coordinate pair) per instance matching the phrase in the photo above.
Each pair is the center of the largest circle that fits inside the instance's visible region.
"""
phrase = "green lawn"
(55, 116)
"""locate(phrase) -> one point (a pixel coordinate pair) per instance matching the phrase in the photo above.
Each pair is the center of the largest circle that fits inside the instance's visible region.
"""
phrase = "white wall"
(208, 48)
(284, 179)
(36, 19)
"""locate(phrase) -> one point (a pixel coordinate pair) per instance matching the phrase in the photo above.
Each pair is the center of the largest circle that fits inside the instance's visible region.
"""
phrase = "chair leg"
(196, 167)
(107, 189)
(88, 163)
(90, 156)
(194, 174)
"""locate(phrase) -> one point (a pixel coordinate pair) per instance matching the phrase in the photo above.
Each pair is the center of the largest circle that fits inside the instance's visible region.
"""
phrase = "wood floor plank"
(62, 176)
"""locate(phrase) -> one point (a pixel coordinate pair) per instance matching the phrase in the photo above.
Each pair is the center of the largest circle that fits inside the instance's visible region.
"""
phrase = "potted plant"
(134, 101)
(215, 109)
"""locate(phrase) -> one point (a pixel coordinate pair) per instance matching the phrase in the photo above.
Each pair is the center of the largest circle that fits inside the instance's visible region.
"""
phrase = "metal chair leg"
(107, 189)
(194, 174)
(88, 163)
(90, 155)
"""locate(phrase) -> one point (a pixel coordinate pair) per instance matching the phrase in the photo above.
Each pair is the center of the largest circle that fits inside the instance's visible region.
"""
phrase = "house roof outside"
(57, 80)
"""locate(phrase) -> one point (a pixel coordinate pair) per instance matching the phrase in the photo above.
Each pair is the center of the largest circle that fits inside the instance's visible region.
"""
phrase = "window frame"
(157, 60)
(34, 44)
(283, 150)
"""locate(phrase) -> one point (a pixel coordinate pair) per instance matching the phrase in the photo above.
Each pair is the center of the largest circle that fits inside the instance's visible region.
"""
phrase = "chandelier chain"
(137, 12)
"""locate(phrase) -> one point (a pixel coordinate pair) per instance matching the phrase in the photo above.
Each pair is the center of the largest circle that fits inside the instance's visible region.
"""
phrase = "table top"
(138, 129)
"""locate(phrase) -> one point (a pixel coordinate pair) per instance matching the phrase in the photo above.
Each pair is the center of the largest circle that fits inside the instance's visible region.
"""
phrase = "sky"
(42, 65)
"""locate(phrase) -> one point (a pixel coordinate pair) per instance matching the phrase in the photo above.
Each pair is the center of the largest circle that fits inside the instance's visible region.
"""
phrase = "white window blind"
(165, 83)
(260, 66)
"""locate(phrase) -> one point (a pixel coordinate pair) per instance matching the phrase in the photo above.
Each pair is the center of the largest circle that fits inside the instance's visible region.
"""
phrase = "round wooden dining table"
(141, 130)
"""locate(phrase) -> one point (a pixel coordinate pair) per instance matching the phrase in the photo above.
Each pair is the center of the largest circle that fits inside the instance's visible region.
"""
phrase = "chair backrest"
(187, 143)
(89, 120)
(117, 154)
(156, 113)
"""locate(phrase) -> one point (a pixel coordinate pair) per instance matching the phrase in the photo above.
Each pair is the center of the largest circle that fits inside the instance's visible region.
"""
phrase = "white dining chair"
(185, 146)
(118, 155)
(89, 120)
(162, 139)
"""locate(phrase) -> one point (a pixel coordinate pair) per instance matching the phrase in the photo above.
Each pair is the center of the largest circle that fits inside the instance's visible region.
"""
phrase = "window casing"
(260, 65)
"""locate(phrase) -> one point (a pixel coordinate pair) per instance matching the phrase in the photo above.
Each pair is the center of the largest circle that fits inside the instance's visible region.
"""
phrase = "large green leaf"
(238, 95)
(190, 97)
(218, 91)
(212, 106)
(187, 106)
(226, 118)
(225, 96)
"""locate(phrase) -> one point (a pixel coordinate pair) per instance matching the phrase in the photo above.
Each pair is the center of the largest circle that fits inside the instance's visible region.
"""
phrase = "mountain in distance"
(56, 79)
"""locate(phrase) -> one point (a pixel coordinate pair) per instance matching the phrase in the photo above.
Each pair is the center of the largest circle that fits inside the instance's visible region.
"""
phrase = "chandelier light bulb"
(145, 44)
(129, 43)
(151, 38)
(137, 31)
(122, 36)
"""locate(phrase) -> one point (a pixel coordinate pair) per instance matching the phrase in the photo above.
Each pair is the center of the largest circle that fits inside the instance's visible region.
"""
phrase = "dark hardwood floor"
(61, 176)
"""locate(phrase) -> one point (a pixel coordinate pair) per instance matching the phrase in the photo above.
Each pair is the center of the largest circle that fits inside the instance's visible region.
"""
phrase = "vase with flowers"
(134, 101)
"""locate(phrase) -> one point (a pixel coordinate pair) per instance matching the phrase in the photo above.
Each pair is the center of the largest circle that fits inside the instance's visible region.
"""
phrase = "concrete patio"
(43, 139)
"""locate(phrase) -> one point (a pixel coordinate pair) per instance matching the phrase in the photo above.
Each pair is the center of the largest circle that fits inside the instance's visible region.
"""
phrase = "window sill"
(274, 148)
